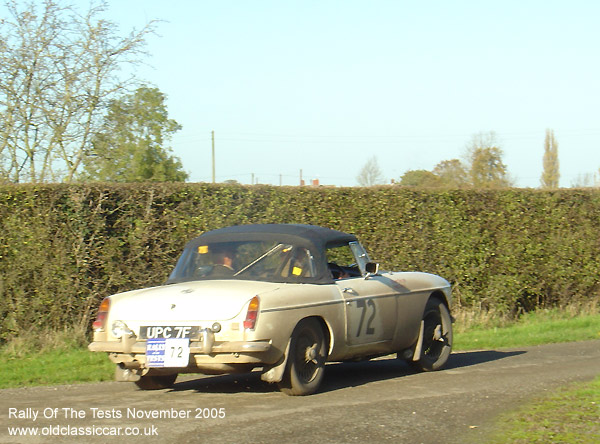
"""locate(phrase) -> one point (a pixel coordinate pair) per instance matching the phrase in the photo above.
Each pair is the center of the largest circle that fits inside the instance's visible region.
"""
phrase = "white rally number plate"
(167, 352)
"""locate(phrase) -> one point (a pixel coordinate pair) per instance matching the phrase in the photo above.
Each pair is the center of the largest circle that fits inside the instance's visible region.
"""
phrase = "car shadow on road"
(338, 375)
(235, 383)
(352, 374)
(468, 358)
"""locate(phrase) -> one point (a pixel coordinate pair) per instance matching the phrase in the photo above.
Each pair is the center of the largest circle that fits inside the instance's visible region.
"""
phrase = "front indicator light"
(252, 314)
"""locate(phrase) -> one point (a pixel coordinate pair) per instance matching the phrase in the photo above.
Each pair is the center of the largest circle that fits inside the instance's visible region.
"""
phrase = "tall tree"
(550, 174)
(486, 169)
(452, 173)
(370, 174)
(58, 71)
(130, 147)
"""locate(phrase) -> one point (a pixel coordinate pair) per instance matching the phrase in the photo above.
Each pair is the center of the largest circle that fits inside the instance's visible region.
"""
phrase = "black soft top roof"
(316, 239)
(320, 237)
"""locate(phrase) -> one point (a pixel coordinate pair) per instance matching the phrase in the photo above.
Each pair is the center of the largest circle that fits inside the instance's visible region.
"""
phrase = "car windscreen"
(245, 260)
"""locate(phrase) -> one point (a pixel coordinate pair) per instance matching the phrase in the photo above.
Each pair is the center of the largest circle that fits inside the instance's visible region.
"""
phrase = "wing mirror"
(372, 268)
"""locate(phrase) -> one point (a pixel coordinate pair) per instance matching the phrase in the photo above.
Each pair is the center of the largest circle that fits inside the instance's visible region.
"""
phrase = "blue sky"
(323, 86)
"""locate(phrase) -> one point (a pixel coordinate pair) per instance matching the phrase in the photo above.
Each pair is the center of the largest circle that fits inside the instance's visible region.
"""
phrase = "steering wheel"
(336, 270)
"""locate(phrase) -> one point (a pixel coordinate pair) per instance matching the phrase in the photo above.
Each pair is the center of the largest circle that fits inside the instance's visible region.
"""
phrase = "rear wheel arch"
(327, 330)
(306, 355)
(275, 372)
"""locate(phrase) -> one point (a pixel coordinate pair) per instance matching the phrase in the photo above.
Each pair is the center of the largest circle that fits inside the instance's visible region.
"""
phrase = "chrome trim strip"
(320, 304)
(296, 307)
(381, 296)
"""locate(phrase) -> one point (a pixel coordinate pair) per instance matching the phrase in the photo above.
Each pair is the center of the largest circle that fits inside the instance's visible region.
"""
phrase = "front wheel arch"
(435, 338)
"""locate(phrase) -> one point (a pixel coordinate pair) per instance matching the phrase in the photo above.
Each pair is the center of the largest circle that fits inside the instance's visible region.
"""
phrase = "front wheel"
(156, 382)
(306, 361)
(436, 336)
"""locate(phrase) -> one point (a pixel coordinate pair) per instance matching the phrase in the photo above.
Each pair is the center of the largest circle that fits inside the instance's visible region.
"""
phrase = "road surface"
(366, 402)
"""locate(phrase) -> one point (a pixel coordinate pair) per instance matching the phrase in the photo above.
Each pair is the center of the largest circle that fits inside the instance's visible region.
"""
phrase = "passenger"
(223, 262)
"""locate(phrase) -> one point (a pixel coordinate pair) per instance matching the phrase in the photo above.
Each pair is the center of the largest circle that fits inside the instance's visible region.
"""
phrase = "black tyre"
(156, 382)
(306, 360)
(437, 337)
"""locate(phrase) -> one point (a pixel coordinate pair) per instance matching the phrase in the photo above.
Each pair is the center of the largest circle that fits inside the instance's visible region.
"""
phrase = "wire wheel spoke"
(433, 338)
(307, 358)
(306, 366)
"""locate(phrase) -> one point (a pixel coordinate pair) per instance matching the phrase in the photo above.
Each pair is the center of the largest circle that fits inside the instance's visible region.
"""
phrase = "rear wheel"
(156, 382)
(306, 360)
(436, 336)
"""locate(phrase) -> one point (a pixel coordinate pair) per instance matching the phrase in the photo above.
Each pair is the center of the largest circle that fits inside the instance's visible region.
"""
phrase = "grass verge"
(51, 357)
(55, 367)
(544, 327)
(570, 415)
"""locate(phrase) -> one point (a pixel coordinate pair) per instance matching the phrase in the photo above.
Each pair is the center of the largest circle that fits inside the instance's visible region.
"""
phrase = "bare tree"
(58, 71)
(551, 174)
(370, 174)
(587, 180)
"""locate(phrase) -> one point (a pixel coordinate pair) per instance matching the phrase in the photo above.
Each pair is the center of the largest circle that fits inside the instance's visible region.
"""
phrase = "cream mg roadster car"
(284, 299)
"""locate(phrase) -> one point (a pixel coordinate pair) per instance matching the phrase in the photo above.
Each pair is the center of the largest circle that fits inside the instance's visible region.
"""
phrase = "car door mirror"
(372, 268)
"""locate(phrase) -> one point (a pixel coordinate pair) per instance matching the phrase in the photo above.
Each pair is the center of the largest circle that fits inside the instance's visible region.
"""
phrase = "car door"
(370, 308)
(370, 303)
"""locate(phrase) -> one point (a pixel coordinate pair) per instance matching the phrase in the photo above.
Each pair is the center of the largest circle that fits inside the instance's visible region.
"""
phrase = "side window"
(342, 262)
(298, 263)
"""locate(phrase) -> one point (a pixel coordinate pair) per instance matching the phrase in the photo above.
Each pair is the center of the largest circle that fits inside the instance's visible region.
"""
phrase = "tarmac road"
(366, 402)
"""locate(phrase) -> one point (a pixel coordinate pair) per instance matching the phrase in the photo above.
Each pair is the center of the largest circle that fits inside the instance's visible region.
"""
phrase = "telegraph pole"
(213, 157)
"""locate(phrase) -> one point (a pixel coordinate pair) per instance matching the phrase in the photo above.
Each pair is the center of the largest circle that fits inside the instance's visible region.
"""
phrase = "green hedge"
(64, 247)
